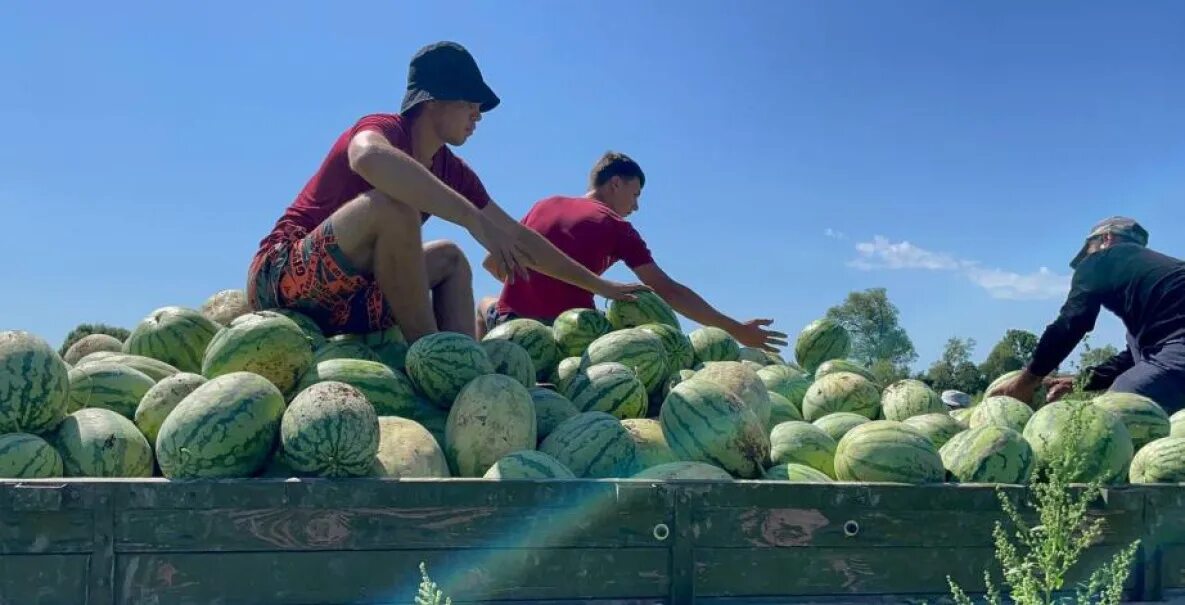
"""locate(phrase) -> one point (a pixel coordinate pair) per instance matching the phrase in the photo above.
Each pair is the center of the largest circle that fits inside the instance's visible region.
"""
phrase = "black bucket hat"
(445, 71)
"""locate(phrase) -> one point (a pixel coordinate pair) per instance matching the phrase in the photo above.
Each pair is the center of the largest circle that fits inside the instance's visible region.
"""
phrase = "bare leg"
(451, 281)
(483, 308)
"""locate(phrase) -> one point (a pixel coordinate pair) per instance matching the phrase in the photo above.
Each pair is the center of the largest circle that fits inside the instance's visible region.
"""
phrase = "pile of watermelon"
(221, 392)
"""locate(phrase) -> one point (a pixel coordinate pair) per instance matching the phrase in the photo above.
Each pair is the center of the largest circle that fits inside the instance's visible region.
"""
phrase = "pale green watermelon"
(511, 360)
(652, 448)
(575, 329)
(908, 398)
(224, 306)
(680, 354)
(1101, 452)
(704, 422)
(713, 344)
(988, 454)
(841, 392)
(567, 369)
(1038, 396)
(493, 416)
(1145, 420)
(34, 383)
(153, 368)
(388, 390)
(803, 443)
(408, 450)
(939, 427)
(1159, 461)
(832, 366)
(684, 471)
(271, 346)
(837, 424)
(821, 340)
(781, 410)
(741, 381)
(162, 399)
(113, 386)
(92, 343)
(608, 387)
(1000, 410)
(536, 338)
(175, 335)
(97, 442)
(528, 464)
(786, 381)
(306, 323)
(634, 348)
(647, 308)
(755, 356)
(1177, 424)
(888, 451)
(796, 473)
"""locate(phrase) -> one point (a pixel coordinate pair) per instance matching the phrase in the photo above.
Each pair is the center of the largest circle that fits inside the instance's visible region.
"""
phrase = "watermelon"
(821, 340)
(1177, 424)
(441, 364)
(567, 369)
(533, 336)
(161, 400)
(832, 366)
(155, 369)
(528, 464)
(704, 422)
(174, 335)
(224, 306)
(97, 442)
(271, 346)
(225, 428)
(575, 329)
(740, 381)
(1038, 396)
(511, 360)
(714, 344)
(752, 365)
(803, 443)
(1102, 450)
(962, 416)
(634, 348)
(492, 417)
(781, 410)
(592, 445)
(407, 450)
(92, 343)
(774, 359)
(652, 448)
(837, 424)
(908, 398)
(344, 349)
(988, 454)
(113, 386)
(646, 308)
(786, 381)
(25, 456)
(796, 473)
(680, 354)
(754, 355)
(938, 427)
(34, 383)
(841, 392)
(306, 323)
(387, 346)
(608, 387)
(684, 471)
(551, 409)
(330, 430)
(1159, 461)
(1145, 420)
(431, 416)
(388, 391)
(1000, 410)
(889, 451)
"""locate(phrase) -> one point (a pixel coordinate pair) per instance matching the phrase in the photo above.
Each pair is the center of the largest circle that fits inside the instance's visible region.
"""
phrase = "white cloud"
(833, 234)
(881, 254)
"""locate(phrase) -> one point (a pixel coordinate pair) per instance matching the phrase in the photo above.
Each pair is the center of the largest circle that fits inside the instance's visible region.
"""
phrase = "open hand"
(618, 291)
(1058, 387)
(507, 254)
(1022, 387)
(753, 333)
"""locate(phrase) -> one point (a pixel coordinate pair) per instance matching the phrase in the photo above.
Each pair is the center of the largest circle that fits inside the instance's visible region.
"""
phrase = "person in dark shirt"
(1146, 289)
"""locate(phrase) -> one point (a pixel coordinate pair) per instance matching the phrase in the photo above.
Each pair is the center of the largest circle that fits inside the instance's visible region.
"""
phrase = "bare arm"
(493, 269)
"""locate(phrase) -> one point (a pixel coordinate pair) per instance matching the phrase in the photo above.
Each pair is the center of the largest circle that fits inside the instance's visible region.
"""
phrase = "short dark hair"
(615, 164)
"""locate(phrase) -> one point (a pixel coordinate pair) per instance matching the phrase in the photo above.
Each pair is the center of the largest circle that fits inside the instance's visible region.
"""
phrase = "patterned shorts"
(310, 274)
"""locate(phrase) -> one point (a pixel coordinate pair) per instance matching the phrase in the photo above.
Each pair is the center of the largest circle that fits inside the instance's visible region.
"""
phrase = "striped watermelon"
(592, 445)
(821, 340)
(388, 391)
(1000, 410)
(565, 371)
(608, 387)
(774, 359)
(803, 443)
(330, 430)
(889, 451)
(754, 355)
(528, 464)
(162, 399)
(704, 422)
(796, 473)
(271, 346)
(1159, 461)
(575, 329)
(511, 360)
(962, 416)
(533, 336)
(1177, 424)
(175, 335)
(96, 442)
(841, 392)
(652, 448)
(832, 366)
(837, 424)
(740, 381)
(224, 306)
(680, 354)
(634, 348)
(34, 382)
(92, 343)
(781, 410)
(156, 369)
(1101, 450)
(306, 323)
(988, 454)
(684, 471)
(786, 381)
(25, 456)
(224, 428)
(492, 417)
(441, 364)
(551, 409)
(938, 427)
(344, 349)
(407, 450)
(113, 386)
(714, 344)
(647, 308)
(1145, 419)
(908, 398)
(388, 346)
(1038, 396)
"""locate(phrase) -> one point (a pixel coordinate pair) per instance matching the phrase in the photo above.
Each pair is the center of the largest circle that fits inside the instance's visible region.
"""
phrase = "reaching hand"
(753, 333)
(508, 255)
(618, 291)
(1020, 387)
(1058, 387)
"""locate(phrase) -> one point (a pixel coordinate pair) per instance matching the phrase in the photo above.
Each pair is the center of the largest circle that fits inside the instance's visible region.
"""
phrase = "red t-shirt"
(335, 183)
(587, 231)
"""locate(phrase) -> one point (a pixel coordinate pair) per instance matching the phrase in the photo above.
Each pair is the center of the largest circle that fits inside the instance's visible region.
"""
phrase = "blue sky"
(954, 153)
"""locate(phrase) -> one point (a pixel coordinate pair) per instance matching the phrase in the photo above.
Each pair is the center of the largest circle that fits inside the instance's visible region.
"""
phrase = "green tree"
(955, 369)
(83, 330)
(1012, 353)
(877, 335)
(1095, 356)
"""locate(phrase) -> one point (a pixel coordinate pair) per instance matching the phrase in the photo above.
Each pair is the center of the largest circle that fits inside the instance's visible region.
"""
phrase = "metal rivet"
(851, 528)
(661, 532)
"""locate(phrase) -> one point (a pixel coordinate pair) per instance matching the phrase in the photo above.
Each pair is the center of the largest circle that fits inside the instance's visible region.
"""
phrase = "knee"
(450, 256)
(388, 212)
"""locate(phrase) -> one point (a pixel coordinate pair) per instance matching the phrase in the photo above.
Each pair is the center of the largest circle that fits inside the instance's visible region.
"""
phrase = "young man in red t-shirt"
(593, 230)
(348, 252)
